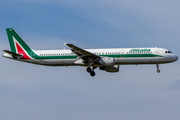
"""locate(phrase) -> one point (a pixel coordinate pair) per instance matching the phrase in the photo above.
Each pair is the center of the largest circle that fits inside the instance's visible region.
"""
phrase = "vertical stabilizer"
(18, 45)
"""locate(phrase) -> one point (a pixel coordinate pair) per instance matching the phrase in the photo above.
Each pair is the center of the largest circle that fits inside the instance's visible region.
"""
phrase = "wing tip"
(65, 43)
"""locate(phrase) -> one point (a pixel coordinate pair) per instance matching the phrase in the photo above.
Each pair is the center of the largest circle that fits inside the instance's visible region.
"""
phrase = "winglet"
(65, 43)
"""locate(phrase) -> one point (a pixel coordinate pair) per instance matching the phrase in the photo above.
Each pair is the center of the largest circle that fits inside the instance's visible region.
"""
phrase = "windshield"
(168, 52)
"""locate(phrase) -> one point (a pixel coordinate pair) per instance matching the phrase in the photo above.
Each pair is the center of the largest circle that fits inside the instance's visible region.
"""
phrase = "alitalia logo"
(140, 50)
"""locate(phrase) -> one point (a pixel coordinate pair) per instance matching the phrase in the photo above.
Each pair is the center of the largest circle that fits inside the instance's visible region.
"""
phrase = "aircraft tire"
(88, 70)
(158, 70)
(92, 73)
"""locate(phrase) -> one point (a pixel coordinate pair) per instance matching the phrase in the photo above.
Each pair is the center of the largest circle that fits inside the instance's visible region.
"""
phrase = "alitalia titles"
(140, 50)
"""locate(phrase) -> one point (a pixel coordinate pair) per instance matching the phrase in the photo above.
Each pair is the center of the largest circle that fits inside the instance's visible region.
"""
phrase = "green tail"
(13, 38)
(18, 45)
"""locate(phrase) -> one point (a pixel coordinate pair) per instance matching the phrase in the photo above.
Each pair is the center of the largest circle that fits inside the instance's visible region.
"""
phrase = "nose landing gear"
(91, 71)
(158, 70)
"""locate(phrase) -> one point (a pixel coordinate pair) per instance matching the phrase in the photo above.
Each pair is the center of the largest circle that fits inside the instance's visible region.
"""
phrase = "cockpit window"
(168, 52)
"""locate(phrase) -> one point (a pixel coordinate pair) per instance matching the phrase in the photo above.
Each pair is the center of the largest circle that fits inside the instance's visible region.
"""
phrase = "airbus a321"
(106, 59)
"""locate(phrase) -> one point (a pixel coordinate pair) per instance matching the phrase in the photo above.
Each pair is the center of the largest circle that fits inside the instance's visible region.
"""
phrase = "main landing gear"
(158, 70)
(91, 71)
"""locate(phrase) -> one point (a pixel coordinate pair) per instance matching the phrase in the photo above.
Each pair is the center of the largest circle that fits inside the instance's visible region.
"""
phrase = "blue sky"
(135, 93)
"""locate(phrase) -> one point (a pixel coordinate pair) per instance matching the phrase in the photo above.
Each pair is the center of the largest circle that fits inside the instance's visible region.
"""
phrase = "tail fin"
(18, 45)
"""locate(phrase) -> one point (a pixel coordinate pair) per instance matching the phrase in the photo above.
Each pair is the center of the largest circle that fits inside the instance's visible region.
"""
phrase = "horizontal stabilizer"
(13, 54)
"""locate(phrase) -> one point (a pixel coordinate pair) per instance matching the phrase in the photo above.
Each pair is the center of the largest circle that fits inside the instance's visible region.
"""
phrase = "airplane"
(108, 60)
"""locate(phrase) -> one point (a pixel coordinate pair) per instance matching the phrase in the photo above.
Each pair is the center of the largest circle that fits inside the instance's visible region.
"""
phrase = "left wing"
(85, 55)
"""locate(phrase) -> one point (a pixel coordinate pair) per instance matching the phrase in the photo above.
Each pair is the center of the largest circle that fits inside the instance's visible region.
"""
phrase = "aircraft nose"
(175, 57)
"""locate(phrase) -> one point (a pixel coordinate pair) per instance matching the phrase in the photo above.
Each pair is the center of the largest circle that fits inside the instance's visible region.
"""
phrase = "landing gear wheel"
(158, 70)
(88, 70)
(92, 73)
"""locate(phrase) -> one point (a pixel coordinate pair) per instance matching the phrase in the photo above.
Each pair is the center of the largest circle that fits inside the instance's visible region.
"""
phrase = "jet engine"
(114, 68)
(107, 61)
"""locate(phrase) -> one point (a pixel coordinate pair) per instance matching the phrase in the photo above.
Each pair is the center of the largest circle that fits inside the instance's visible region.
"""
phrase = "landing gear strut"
(158, 70)
(91, 71)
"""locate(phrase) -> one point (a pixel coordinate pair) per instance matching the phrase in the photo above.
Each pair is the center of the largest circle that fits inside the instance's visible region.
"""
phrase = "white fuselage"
(106, 59)
(121, 56)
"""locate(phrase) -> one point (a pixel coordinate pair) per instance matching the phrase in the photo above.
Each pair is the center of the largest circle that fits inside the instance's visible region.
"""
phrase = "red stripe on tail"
(21, 51)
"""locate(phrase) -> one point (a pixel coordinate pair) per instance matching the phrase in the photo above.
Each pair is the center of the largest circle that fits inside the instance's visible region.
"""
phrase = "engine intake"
(107, 61)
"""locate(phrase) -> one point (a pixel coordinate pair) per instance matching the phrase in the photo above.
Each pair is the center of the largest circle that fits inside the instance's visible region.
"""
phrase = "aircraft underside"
(90, 68)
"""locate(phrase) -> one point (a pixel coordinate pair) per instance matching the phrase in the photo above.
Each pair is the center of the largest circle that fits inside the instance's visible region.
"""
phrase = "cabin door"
(157, 52)
(122, 54)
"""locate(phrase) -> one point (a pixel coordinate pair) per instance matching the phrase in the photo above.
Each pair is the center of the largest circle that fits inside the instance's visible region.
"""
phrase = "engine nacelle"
(107, 61)
(114, 68)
